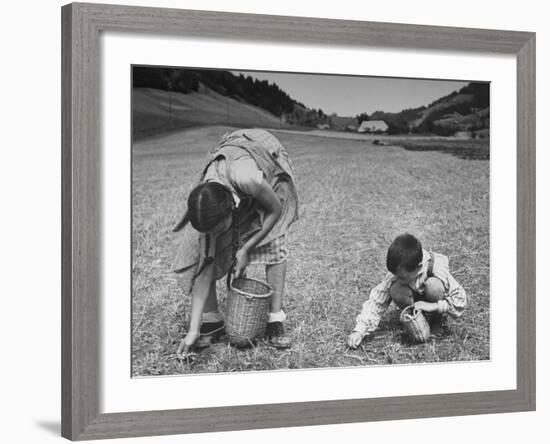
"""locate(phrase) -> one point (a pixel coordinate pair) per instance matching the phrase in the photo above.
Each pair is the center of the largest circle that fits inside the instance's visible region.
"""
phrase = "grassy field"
(355, 198)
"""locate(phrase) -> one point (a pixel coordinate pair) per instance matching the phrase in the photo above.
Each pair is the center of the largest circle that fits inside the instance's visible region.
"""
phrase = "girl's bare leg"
(275, 275)
(211, 303)
(212, 324)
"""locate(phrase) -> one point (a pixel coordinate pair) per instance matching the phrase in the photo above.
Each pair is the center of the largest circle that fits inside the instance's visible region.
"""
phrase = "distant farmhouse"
(373, 126)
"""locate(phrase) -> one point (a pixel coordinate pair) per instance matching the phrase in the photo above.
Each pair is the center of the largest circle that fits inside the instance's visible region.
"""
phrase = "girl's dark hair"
(405, 251)
(207, 206)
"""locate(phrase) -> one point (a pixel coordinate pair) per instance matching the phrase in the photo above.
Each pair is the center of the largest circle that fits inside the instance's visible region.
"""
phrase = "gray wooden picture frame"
(81, 172)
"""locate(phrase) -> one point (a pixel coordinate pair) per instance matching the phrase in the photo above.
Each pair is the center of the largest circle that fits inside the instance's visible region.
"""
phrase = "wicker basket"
(247, 306)
(415, 324)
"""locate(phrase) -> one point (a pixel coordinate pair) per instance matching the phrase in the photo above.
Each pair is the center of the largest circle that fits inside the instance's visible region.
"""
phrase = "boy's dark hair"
(405, 251)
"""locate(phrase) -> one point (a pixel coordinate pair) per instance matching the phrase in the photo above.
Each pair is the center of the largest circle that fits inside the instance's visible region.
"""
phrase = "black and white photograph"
(275, 221)
(294, 221)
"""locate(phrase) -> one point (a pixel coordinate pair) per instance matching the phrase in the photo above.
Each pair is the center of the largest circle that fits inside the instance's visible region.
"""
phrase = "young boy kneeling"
(416, 276)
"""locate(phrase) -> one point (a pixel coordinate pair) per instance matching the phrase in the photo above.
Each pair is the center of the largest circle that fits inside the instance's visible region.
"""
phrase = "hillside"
(154, 111)
(477, 122)
(463, 110)
(256, 92)
(230, 89)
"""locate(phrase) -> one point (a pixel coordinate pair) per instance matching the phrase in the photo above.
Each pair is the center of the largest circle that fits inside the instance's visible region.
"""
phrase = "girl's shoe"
(275, 334)
(210, 332)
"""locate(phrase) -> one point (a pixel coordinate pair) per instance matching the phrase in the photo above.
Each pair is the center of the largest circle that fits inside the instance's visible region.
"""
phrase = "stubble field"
(355, 197)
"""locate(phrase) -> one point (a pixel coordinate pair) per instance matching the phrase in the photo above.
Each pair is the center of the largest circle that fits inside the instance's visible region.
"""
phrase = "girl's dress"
(241, 161)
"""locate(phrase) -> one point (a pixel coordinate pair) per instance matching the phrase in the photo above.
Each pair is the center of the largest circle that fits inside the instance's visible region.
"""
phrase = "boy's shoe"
(275, 334)
(210, 332)
(436, 322)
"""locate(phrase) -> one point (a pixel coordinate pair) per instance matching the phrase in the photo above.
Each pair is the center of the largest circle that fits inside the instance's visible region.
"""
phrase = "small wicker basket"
(415, 324)
(247, 306)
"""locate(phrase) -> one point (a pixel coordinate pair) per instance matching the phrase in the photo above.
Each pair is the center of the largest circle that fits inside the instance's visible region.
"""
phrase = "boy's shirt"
(453, 303)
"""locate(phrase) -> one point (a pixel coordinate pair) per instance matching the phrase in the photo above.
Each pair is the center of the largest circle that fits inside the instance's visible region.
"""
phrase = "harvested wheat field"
(355, 197)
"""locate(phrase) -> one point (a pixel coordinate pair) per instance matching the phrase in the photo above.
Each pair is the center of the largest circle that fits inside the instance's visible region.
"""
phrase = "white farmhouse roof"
(372, 126)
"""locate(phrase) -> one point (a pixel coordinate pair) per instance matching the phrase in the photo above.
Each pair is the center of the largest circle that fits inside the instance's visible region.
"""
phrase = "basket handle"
(230, 277)
(408, 313)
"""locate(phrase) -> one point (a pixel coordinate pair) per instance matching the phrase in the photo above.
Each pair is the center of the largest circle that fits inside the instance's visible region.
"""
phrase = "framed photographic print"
(278, 221)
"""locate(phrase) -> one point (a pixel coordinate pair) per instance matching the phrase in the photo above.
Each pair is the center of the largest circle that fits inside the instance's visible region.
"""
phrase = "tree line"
(259, 93)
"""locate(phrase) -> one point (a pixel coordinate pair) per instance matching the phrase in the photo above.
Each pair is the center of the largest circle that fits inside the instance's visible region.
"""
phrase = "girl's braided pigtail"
(207, 259)
(235, 241)
(235, 244)
(181, 223)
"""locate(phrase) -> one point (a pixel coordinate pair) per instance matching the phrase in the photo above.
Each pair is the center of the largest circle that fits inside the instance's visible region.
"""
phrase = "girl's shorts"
(274, 252)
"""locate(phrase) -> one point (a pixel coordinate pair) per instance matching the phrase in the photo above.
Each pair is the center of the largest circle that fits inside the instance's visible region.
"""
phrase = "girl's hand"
(241, 262)
(186, 344)
(354, 339)
(428, 307)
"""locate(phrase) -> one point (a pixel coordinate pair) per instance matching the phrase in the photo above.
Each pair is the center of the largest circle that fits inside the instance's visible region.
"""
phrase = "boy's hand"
(428, 307)
(354, 339)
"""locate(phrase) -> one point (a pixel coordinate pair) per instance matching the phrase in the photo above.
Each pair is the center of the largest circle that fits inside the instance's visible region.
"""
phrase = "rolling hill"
(155, 110)
(465, 110)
